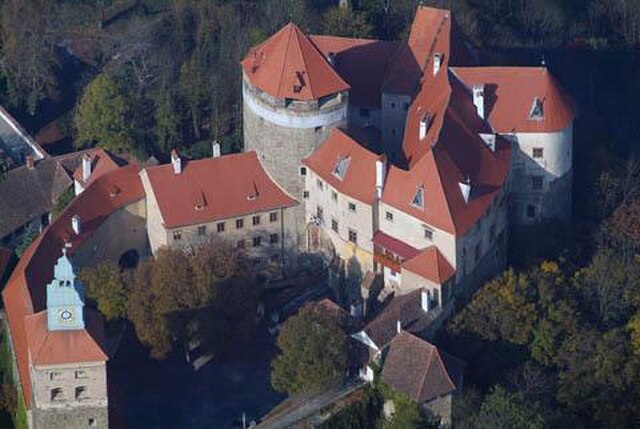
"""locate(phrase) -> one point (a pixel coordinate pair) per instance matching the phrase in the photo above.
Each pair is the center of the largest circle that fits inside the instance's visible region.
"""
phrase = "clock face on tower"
(66, 315)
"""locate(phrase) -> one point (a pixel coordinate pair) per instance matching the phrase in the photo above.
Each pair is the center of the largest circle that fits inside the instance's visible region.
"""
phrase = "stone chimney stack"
(399, 326)
(86, 167)
(216, 149)
(380, 175)
(29, 162)
(176, 162)
(424, 301)
(478, 99)
(76, 224)
(465, 189)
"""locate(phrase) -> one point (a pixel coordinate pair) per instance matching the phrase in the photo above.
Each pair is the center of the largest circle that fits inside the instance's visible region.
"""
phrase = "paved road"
(304, 408)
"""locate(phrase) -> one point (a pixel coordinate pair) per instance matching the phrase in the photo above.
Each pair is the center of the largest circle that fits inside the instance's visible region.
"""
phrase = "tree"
(313, 353)
(3, 169)
(62, 202)
(105, 286)
(343, 21)
(102, 116)
(30, 234)
(504, 410)
(204, 295)
(28, 45)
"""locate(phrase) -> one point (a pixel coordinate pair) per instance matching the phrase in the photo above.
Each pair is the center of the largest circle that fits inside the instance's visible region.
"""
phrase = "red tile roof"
(288, 65)
(430, 264)
(404, 308)
(450, 153)
(394, 245)
(25, 292)
(362, 63)
(101, 163)
(359, 181)
(63, 347)
(420, 370)
(509, 95)
(215, 188)
(433, 31)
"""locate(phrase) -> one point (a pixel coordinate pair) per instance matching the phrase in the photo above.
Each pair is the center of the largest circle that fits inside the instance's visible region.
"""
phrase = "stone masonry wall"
(71, 418)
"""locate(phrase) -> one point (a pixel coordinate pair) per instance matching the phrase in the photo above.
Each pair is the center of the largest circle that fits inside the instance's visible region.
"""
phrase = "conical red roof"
(288, 65)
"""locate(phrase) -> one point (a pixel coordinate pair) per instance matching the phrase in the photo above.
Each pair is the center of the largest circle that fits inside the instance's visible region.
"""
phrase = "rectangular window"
(305, 195)
(81, 374)
(240, 244)
(537, 183)
(92, 423)
(273, 217)
(538, 152)
(202, 230)
(364, 113)
(274, 238)
(428, 233)
(274, 259)
(303, 171)
(81, 393)
(334, 195)
(353, 236)
(220, 226)
(389, 216)
(531, 211)
(239, 223)
(257, 241)
(352, 207)
(55, 375)
(320, 184)
(56, 394)
(319, 213)
(256, 220)
(334, 225)
(177, 234)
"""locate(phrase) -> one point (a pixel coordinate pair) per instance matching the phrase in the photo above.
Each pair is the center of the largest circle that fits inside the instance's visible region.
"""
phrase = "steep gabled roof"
(420, 370)
(451, 152)
(359, 180)
(288, 65)
(432, 31)
(26, 193)
(510, 93)
(430, 264)
(362, 63)
(63, 347)
(215, 188)
(406, 309)
(101, 163)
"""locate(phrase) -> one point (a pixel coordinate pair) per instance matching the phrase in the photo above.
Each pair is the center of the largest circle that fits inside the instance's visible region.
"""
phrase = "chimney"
(76, 224)
(86, 167)
(437, 63)
(465, 188)
(216, 149)
(399, 326)
(478, 99)
(424, 301)
(176, 162)
(29, 162)
(380, 173)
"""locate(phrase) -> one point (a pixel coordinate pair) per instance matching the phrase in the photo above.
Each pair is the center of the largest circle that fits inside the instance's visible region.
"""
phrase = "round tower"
(292, 98)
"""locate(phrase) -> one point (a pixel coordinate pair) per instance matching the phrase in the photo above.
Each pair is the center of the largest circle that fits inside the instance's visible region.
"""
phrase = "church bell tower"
(65, 297)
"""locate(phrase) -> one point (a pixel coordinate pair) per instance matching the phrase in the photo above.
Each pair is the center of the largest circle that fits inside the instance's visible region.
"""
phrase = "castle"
(394, 160)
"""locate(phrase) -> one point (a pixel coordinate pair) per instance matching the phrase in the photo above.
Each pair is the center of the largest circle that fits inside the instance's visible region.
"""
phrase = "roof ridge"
(446, 371)
(426, 372)
(304, 59)
(286, 56)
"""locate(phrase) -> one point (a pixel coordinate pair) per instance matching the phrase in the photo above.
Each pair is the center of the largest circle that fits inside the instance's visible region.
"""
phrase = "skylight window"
(418, 198)
(537, 110)
(341, 167)
(425, 123)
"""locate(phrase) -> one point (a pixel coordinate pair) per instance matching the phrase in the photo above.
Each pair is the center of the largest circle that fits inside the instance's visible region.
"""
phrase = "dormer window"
(341, 167)
(537, 110)
(425, 123)
(418, 198)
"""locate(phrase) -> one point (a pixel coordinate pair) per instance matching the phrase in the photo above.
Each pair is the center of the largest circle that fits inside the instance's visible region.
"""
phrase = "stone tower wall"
(283, 132)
